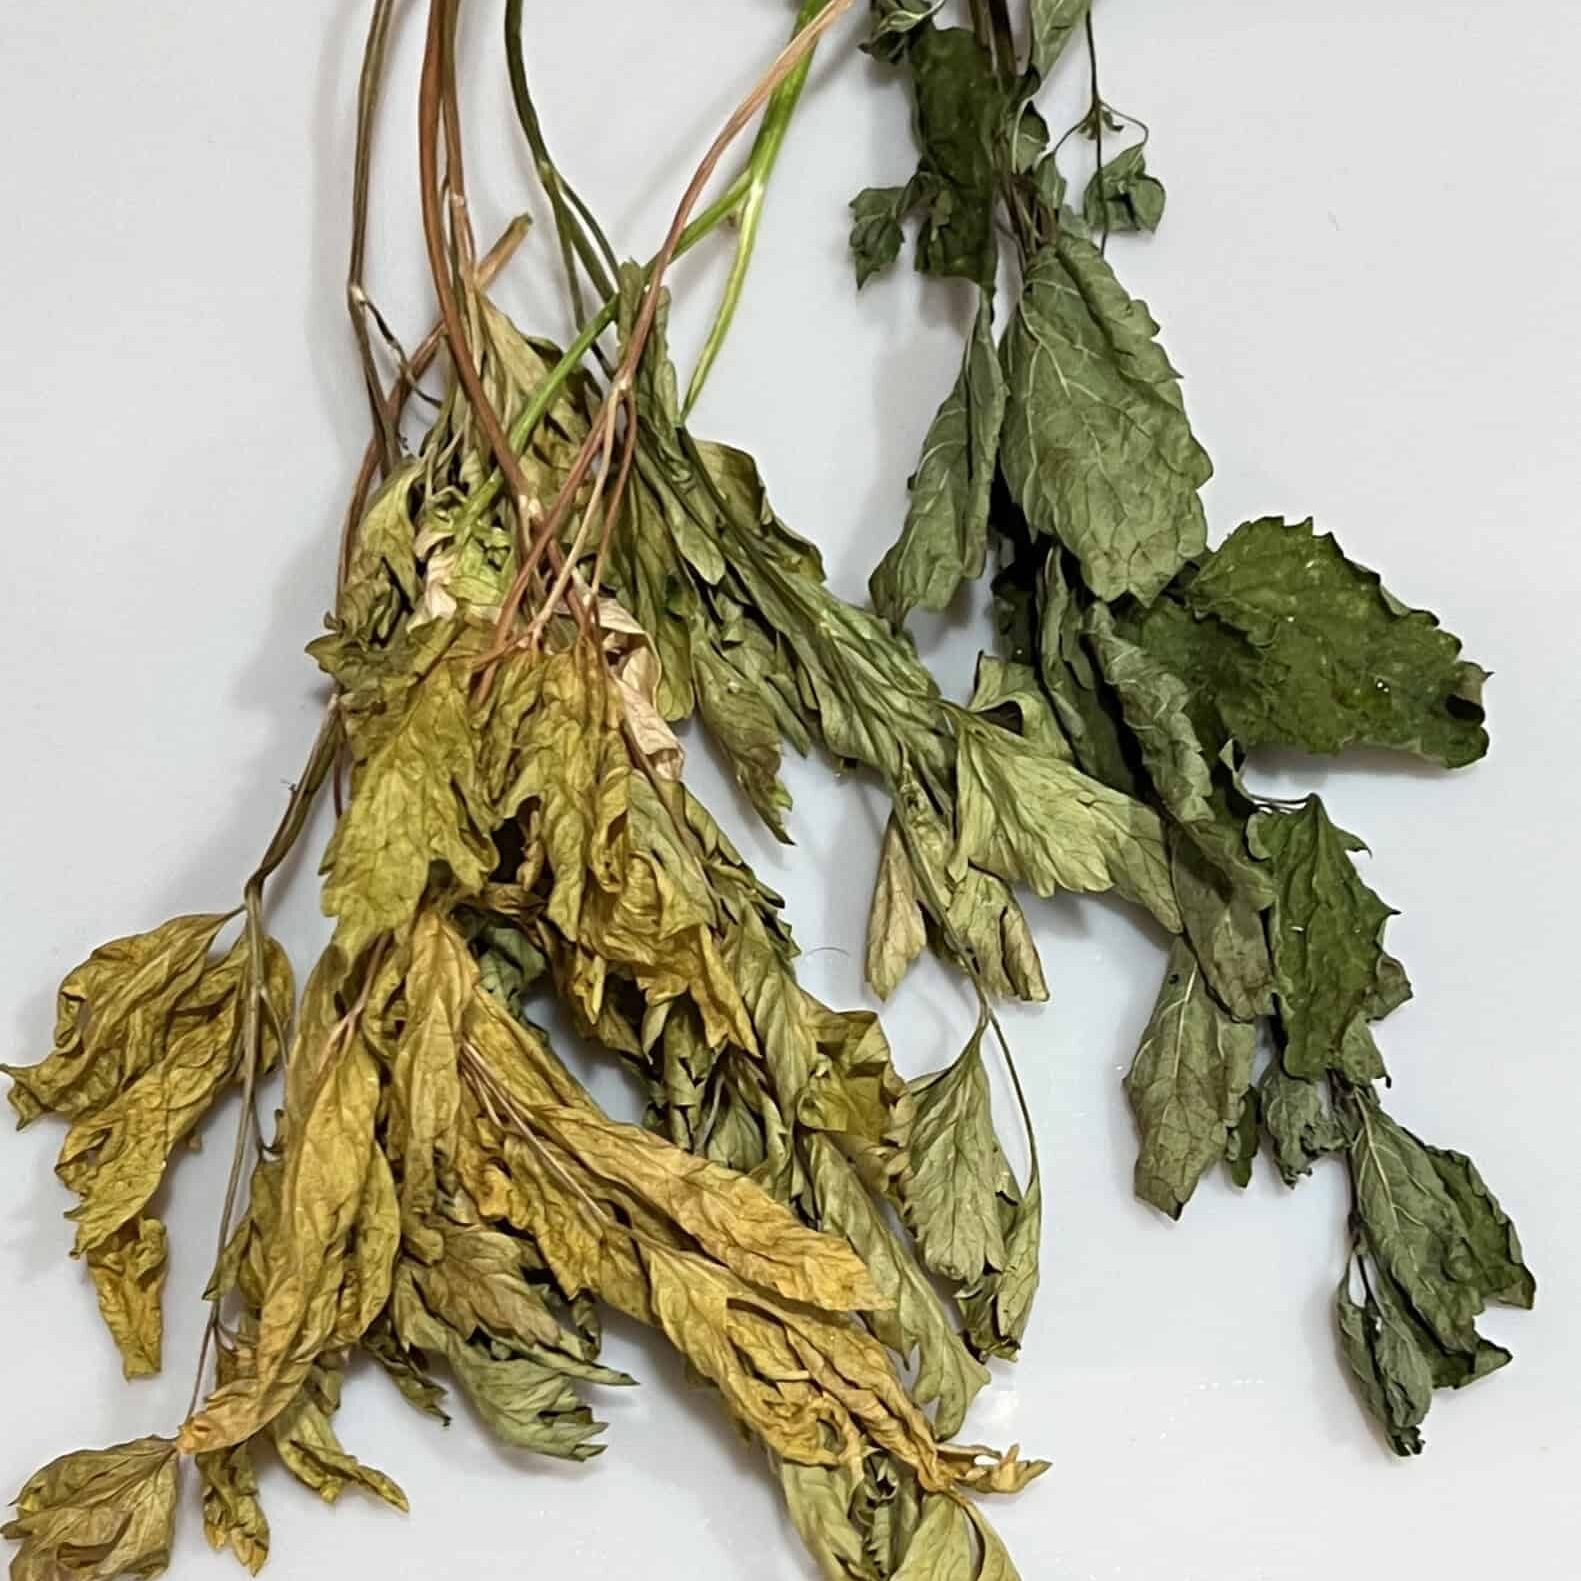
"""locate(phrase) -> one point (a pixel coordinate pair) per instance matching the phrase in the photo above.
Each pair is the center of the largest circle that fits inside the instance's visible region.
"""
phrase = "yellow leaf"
(111, 1017)
(728, 1215)
(370, 1264)
(426, 1084)
(128, 1271)
(416, 801)
(332, 1093)
(232, 1516)
(97, 1514)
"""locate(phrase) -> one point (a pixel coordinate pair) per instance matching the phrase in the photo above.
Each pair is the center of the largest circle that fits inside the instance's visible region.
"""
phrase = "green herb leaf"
(1395, 1379)
(959, 108)
(1053, 23)
(1025, 814)
(1187, 1084)
(1301, 1125)
(1122, 196)
(876, 235)
(1327, 932)
(1097, 449)
(952, 1198)
(1224, 926)
(915, 1324)
(945, 539)
(1326, 658)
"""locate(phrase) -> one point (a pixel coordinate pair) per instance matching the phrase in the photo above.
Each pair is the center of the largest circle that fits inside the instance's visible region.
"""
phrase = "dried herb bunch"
(531, 596)
(528, 600)
(1155, 666)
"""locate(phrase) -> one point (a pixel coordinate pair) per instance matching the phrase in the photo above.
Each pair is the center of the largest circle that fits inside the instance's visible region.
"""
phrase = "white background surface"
(1367, 274)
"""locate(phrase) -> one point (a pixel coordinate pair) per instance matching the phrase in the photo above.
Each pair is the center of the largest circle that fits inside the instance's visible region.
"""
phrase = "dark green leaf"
(1327, 932)
(1097, 449)
(1325, 657)
(1301, 1125)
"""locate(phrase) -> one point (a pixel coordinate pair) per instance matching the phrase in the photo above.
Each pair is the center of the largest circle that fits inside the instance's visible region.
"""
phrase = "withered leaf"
(97, 1514)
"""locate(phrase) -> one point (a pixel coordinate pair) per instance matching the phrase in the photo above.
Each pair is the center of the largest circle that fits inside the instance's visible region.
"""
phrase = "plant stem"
(356, 296)
(765, 153)
(573, 228)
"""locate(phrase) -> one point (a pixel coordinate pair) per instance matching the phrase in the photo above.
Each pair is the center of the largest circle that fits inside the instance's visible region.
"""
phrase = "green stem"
(574, 223)
(479, 504)
(777, 116)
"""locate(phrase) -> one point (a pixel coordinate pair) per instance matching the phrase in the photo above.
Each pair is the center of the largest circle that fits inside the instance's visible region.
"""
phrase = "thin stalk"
(581, 236)
(357, 301)
(435, 102)
(760, 167)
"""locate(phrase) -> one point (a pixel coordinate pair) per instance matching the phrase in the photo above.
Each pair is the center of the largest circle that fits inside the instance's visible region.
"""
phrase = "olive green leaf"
(304, 1438)
(983, 915)
(97, 1514)
(894, 21)
(741, 718)
(997, 1306)
(1225, 928)
(1053, 23)
(820, 1500)
(1502, 1271)
(915, 1324)
(1156, 704)
(1097, 450)
(1326, 928)
(954, 1543)
(952, 1197)
(1122, 196)
(232, 1515)
(959, 106)
(1415, 1228)
(1314, 652)
(1187, 1084)
(1245, 1138)
(1301, 1125)
(525, 1403)
(896, 931)
(404, 1368)
(382, 581)
(1008, 694)
(1025, 814)
(1092, 724)
(945, 538)
(1394, 1378)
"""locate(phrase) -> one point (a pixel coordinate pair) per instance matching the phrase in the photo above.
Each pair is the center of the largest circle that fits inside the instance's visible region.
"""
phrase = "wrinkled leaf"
(945, 538)
(1187, 1084)
(1097, 449)
(97, 1514)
